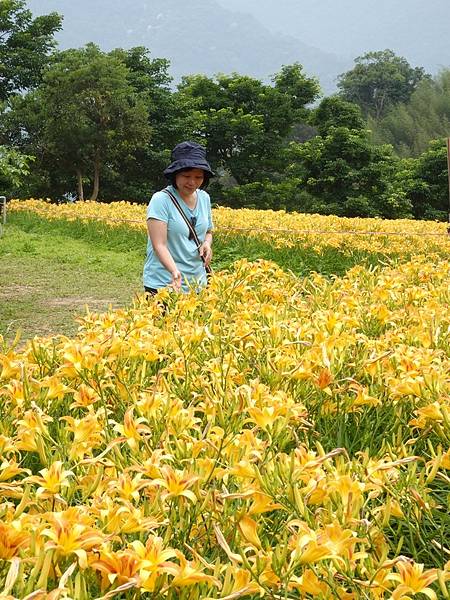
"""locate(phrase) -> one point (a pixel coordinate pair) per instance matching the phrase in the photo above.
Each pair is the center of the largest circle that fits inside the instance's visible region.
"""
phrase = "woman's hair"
(172, 178)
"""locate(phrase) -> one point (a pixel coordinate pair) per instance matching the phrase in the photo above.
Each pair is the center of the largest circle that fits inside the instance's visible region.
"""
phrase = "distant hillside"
(207, 38)
(416, 29)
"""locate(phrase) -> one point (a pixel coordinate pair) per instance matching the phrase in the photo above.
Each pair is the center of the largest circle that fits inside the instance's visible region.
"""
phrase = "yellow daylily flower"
(176, 483)
(56, 389)
(431, 412)
(88, 434)
(262, 503)
(412, 580)
(10, 469)
(51, 480)
(153, 555)
(248, 528)
(122, 517)
(154, 560)
(340, 541)
(308, 583)
(11, 365)
(132, 429)
(264, 417)
(189, 573)
(31, 428)
(348, 491)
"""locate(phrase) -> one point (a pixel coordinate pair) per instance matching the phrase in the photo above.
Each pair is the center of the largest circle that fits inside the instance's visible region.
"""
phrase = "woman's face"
(187, 182)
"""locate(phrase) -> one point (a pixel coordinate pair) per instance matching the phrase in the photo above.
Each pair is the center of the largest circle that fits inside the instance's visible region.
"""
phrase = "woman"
(173, 257)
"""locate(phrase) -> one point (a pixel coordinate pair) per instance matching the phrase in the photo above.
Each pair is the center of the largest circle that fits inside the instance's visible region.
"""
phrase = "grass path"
(47, 278)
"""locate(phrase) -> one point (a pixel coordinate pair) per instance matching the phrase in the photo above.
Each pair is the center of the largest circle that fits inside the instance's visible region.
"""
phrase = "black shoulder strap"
(189, 225)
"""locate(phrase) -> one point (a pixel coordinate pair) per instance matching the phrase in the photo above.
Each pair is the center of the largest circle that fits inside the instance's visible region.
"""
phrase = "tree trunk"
(80, 185)
(96, 187)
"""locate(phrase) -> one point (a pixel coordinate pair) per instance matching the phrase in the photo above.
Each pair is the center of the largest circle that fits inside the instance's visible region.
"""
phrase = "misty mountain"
(205, 38)
(415, 29)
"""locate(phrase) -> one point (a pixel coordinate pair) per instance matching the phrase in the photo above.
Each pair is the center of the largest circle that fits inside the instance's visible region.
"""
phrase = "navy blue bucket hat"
(188, 155)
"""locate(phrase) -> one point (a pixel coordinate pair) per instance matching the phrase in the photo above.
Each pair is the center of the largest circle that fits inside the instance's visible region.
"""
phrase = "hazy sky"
(417, 29)
(323, 35)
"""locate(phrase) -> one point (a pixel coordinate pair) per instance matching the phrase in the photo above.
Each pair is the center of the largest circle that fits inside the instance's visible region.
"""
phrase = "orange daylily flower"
(116, 567)
(12, 540)
(84, 397)
(67, 536)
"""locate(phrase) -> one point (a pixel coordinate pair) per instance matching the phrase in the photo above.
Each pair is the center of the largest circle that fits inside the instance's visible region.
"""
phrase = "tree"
(245, 122)
(425, 182)
(348, 176)
(25, 44)
(14, 166)
(52, 123)
(410, 126)
(90, 113)
(301, 89)
(378, 81)
(171, 116)
(334, 111)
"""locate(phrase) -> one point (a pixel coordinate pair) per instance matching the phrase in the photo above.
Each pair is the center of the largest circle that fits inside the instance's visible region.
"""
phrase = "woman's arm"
(157, 232)
(205, 249)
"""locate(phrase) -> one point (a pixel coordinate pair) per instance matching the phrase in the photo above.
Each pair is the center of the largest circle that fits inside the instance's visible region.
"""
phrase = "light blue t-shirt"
(183, 250)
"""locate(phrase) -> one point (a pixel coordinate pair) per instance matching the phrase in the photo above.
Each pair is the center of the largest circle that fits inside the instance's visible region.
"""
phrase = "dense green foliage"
(348, 176)
(425, 182)
(14, 166)
(89, 114)
(410, 126)
(25, 44)
(101, 124)
(245, 121)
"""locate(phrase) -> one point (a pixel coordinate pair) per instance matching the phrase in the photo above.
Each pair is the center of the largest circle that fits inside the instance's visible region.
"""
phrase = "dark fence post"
(2, 213)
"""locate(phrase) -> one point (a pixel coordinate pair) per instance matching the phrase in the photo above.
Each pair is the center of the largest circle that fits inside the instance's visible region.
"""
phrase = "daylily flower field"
(282, 229)
(271, 437)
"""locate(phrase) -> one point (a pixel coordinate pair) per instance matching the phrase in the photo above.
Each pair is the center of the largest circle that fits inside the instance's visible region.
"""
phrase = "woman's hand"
(157, 231)
(206, 252)
(176, 280)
